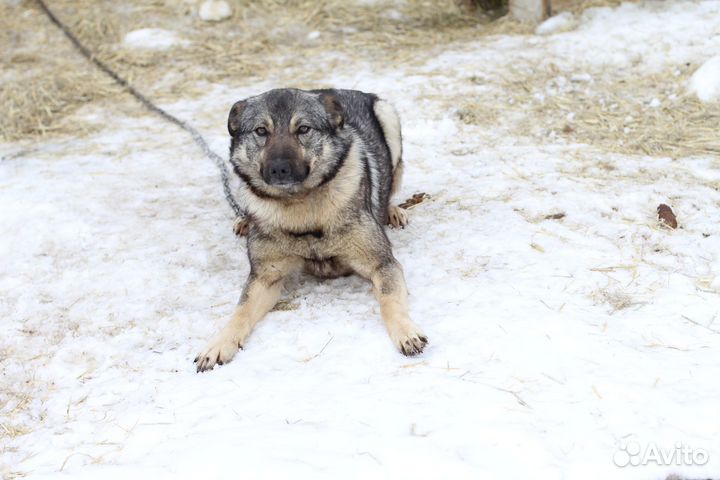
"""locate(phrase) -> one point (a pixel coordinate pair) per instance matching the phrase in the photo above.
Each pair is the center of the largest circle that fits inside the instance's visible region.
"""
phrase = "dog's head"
(286, 142)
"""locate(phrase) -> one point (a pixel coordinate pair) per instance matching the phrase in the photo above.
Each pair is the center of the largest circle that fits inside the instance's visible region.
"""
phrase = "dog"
(317, 169)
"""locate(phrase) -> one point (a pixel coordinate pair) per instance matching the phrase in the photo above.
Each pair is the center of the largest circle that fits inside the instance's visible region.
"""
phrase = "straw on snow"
(47, 85)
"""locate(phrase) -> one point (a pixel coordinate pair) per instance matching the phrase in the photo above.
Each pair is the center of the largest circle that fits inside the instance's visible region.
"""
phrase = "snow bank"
(705, 82)
(152, 39)
(559, 23)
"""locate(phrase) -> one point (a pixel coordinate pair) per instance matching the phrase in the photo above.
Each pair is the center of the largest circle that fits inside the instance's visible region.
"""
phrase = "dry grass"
(42, 87)
(42, 81)
(579, 6)
(45, 106)
(616, 298)
(13, 404)
(267, 39)
(615, 111)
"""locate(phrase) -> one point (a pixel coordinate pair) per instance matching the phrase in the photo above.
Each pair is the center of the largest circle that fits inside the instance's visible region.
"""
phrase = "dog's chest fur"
(314, 242)
(324, 252)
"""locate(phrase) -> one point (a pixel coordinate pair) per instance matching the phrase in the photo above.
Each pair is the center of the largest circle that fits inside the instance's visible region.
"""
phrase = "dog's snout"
(279, 171)
(283, 171)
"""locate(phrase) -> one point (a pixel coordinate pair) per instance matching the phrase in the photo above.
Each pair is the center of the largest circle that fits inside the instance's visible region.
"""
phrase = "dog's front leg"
(390, 290)
(260, 294)
(389, 287)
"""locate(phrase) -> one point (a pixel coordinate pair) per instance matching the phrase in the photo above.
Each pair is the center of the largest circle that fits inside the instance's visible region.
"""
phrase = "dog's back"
(376, 123)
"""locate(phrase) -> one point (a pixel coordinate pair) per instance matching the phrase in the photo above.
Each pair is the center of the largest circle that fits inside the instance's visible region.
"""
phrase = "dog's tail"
(390, 123)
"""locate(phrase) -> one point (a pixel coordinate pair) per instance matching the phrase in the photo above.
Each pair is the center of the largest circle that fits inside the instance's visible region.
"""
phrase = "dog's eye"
(261, 131)
(302, 129)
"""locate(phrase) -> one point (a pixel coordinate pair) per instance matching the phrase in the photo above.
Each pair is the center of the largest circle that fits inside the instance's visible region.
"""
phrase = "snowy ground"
(553, 342)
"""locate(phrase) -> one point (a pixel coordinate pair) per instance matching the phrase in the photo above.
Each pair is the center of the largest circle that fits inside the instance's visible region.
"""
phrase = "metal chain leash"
(196, 136)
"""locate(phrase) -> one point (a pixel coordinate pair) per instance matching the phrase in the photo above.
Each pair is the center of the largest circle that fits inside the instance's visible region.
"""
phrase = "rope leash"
(196, 136)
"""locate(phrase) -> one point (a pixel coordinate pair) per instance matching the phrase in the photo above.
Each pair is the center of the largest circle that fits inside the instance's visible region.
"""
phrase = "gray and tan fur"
(318, 170)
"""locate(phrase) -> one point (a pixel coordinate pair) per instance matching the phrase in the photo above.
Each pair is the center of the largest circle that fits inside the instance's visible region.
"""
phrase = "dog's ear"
(334, 109)
(234, 117)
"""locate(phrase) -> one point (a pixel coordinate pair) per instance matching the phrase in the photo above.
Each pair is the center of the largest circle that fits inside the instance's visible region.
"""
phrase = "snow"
(554, 342)
(214, 10)
(559, 23)
(621, 37)
(152, 39)
(705, 82)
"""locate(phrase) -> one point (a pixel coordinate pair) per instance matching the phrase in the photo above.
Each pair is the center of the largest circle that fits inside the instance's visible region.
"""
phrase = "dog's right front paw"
(218, 352)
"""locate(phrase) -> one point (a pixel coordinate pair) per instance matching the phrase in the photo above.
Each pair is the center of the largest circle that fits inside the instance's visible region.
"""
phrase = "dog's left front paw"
(410, 341)
(218, 352)
(413, 345)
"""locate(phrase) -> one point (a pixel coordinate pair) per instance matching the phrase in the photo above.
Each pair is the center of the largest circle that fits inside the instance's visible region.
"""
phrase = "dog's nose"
(280, 171)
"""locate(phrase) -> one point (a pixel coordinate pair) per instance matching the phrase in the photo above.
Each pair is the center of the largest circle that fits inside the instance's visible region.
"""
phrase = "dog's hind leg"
(397, 217)
(390, 123)
(261, 293)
